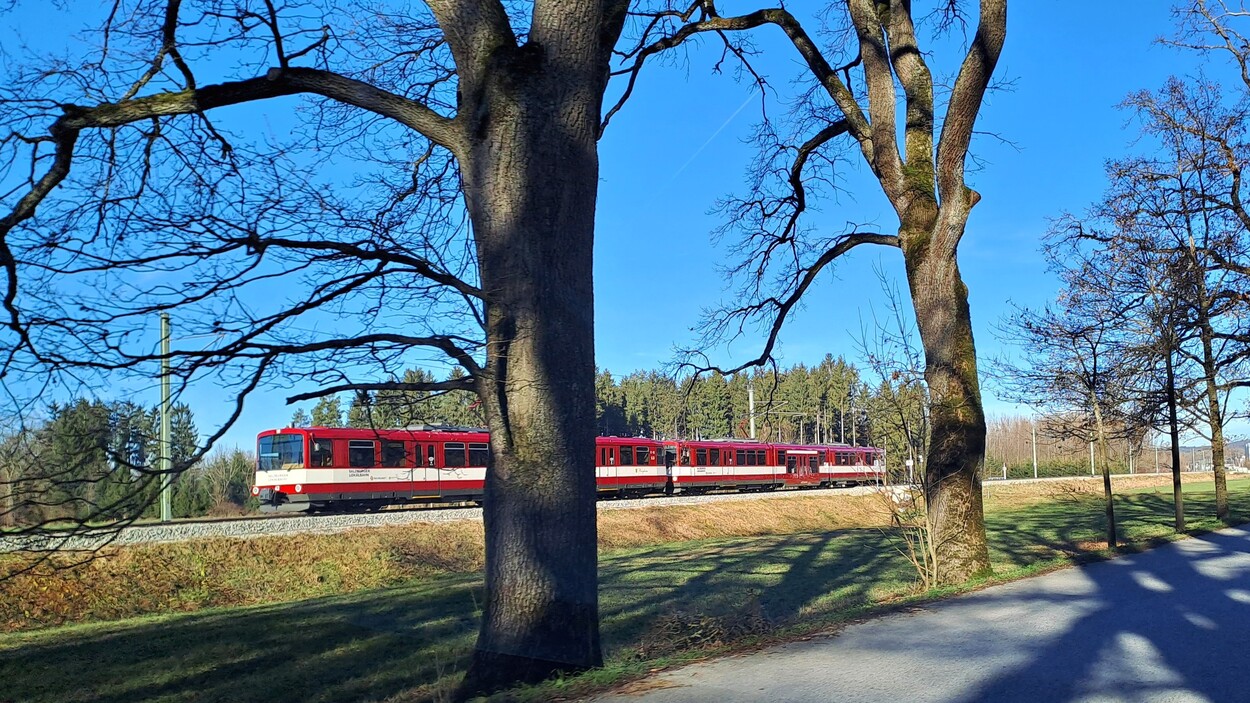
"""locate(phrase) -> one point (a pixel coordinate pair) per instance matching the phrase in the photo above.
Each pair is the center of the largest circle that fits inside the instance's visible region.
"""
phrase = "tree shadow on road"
(1154, 625)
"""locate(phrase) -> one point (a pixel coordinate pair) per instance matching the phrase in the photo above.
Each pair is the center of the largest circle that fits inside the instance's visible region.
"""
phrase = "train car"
(706, 465)
(325, 468)
(801, 465)
(318, 468)
(844, 465)
(633, 466)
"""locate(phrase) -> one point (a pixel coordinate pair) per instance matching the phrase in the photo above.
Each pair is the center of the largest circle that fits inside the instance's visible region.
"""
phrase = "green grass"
(659, 605)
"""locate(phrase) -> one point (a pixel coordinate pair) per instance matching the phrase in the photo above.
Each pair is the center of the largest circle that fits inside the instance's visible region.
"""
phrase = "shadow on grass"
(375, 645)
(413, 641)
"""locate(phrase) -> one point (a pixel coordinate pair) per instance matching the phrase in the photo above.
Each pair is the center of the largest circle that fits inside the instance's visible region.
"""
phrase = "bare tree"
(876, 57)
(1166, 235)
(1073, 365)
(144, 184)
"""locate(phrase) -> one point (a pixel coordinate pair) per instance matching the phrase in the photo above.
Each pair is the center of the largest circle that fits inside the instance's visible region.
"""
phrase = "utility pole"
(751, 406)
(166, 456)
(1033, 428)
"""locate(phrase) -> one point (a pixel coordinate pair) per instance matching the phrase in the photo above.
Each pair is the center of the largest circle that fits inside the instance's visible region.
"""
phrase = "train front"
(281, 472)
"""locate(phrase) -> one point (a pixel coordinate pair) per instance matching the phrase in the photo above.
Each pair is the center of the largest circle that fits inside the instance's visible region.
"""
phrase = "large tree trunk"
(957, 421)
(530, 184)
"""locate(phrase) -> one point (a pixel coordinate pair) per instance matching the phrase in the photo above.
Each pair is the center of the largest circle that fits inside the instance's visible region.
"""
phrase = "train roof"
(448, 431)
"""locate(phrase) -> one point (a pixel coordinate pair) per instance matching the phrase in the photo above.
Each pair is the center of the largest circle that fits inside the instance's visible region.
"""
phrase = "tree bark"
(1215, 414)
(530, 180)
(8, 503)
(957, 422)
(1108, 496)
(1178, 499)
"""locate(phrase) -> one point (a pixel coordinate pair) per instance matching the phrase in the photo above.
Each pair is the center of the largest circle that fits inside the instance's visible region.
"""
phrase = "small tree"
(1073, 364)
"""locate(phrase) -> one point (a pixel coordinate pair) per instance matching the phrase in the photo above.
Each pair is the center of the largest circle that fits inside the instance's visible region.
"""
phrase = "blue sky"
(1059, 115)
(664, 164)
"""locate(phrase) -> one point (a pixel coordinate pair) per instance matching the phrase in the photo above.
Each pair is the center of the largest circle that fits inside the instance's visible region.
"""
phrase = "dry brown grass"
(1008, 496)
(187, 576)
(620, 529)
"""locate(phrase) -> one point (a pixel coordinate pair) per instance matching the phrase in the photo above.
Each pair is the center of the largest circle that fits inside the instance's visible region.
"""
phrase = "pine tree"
(328, 412)
(300, 419)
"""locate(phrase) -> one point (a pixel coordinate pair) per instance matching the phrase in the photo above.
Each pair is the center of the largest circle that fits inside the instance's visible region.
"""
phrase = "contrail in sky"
(714, 134)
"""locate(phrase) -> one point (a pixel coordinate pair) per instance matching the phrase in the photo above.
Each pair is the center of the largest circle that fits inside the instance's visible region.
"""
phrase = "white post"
(1156, 456)
(166, 456)
(751, 407)
(1091, 458)
(1033, 427)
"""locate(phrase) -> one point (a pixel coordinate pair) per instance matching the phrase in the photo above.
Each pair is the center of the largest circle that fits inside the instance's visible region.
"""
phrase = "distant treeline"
(92, 460)
(825, 403)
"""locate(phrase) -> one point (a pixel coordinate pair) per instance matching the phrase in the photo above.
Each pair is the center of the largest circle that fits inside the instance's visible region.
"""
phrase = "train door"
(670, 461)
(606, 473)
(425, 478)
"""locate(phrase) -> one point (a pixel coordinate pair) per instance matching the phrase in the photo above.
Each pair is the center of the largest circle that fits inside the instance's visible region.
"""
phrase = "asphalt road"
(1172, 624)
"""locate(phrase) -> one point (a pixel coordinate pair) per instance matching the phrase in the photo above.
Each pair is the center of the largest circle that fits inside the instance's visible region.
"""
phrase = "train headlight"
(298, 488)
(255, 490)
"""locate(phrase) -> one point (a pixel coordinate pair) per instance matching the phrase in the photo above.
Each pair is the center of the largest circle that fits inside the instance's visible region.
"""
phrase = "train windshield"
(277, 452)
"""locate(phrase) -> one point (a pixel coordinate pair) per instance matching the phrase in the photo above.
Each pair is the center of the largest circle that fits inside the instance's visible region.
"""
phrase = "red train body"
(321, 468)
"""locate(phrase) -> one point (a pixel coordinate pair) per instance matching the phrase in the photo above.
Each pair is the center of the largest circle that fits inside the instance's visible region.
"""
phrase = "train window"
(791, 462)
(813, 462)
(603, 456)
(429, 455)
(453, 454)
(713, 457)
(479, 454)
(322, 453)
(781, 456)
(277, 452)
(685, 457)
(700, 457)
(627, 456)
(393, 454)
(361, 453)
(742, 457)
(642, 455)
(761, 457)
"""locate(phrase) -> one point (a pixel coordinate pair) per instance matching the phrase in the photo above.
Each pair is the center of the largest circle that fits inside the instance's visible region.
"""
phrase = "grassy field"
(660, 604)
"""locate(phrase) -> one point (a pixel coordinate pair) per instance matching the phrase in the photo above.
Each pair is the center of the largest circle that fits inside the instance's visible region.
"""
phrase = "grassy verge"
(193, 575)
(661, 604)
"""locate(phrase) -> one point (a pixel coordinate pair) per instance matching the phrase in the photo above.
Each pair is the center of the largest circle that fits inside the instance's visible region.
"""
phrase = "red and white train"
(324, 468)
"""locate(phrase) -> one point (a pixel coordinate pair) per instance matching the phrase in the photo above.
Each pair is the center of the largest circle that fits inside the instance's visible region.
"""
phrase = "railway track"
(280, 524)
